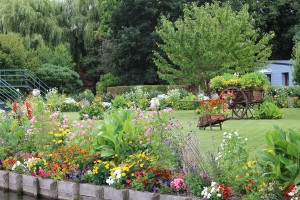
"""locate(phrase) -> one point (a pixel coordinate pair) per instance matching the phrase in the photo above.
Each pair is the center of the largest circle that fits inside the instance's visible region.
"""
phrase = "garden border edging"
(66, 190)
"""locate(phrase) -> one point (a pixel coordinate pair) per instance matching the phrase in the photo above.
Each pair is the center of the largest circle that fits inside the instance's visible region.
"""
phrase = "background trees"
(118, 36)
(209, 41)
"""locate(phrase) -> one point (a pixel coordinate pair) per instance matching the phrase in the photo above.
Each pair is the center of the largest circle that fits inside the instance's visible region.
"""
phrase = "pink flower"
(32, 120)
(178, 184)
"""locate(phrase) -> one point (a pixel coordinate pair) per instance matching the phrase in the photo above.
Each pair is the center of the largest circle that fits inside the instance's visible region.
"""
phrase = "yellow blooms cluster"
(58, 136)
(107, 165)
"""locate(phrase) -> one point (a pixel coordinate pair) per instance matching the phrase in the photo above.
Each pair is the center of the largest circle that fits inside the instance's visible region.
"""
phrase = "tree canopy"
(209, 41)
(296, 63)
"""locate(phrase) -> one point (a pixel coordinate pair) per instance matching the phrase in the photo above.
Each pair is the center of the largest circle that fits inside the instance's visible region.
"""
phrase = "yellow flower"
(123, 174)
(53, 140)
(59, 141)
(247, 174)
(132, 174)
(50, 155)
(141, 165)
(51, 132)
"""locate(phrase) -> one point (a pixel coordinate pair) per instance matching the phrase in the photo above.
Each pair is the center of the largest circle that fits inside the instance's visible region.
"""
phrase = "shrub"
(268, 110)
(85, 95)
(93, 111)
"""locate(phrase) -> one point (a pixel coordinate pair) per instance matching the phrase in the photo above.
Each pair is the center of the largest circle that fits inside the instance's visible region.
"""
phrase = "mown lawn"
(252, 129)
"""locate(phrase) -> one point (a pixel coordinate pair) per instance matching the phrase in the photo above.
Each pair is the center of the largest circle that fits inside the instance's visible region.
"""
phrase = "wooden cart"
(243, 102)
(215, 120)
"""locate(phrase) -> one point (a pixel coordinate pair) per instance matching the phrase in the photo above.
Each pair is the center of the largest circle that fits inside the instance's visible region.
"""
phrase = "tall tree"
(209, 41)
(132, 38)
(33, 17)
(281, 17)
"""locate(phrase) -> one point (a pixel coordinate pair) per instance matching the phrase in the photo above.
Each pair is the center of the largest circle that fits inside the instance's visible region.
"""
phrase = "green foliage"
(255, 79)
(268, 110)
(105, 81)
(282, 95)
(232, 157)
(296, 64)
(60, 77)
(120, 101)
(131, 39)
(85, 95)
(195, 183)
(93, 111)
(187, 105)
(112, 130)
(282, 155)
(12, 51)
(33, 17)
(12, 134)
(209, 41)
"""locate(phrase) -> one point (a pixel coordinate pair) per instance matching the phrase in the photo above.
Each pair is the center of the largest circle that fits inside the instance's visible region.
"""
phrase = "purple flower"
(155, 189)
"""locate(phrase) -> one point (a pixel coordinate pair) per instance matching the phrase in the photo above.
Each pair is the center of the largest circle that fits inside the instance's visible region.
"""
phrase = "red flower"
(145, 182)
(286, 193)
(128, 181)
(248, 187)
(291, 187)
(15, 106)
(252, 182)
(64, 166)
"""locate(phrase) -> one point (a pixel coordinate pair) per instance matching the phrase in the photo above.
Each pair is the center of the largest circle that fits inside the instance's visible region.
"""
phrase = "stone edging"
(66, 190)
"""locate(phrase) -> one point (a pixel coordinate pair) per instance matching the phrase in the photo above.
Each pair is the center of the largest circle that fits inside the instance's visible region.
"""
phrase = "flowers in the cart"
(215, 105)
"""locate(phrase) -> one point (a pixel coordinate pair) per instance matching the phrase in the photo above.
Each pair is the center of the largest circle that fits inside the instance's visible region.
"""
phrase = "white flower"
(69, 100)
(117, 174)
(154, 102)
(110, 181)
(162, 96)
(36, 92)
(18, 163)
(246, 139)
(219, 195)
(106, 105)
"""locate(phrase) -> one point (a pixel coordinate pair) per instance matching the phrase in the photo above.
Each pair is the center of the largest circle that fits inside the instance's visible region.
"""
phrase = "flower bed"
(136, 154)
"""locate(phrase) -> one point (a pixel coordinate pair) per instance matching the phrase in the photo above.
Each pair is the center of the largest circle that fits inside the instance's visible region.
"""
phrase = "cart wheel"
(238, 101)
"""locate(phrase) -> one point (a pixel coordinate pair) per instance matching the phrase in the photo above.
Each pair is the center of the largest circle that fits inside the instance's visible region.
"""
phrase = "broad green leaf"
(297, 179)
(292, 150)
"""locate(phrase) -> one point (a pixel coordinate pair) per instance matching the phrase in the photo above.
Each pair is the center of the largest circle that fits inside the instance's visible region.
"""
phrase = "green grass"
(254, 130)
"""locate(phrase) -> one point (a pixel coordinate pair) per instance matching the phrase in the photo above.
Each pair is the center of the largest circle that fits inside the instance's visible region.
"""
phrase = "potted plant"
(254, 80)
(226, 80)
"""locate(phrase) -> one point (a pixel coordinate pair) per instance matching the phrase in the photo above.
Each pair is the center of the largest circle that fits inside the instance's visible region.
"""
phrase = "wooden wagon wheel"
(237, 100)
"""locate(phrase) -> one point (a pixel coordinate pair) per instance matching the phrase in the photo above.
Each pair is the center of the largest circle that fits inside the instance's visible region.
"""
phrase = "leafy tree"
(132, 38)
(296, 63)
(61, 77)
(209, 41)
(281, 17)
(12, 51)
(33, 17)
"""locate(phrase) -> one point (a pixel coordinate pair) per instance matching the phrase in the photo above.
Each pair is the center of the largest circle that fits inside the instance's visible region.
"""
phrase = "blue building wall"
(279, 71)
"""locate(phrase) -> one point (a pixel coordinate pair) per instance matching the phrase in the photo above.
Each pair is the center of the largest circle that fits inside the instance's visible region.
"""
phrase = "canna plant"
(283, 155)
(114, 128)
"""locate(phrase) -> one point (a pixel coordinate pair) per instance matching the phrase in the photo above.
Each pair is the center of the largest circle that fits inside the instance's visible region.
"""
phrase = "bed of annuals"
(146, 151)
